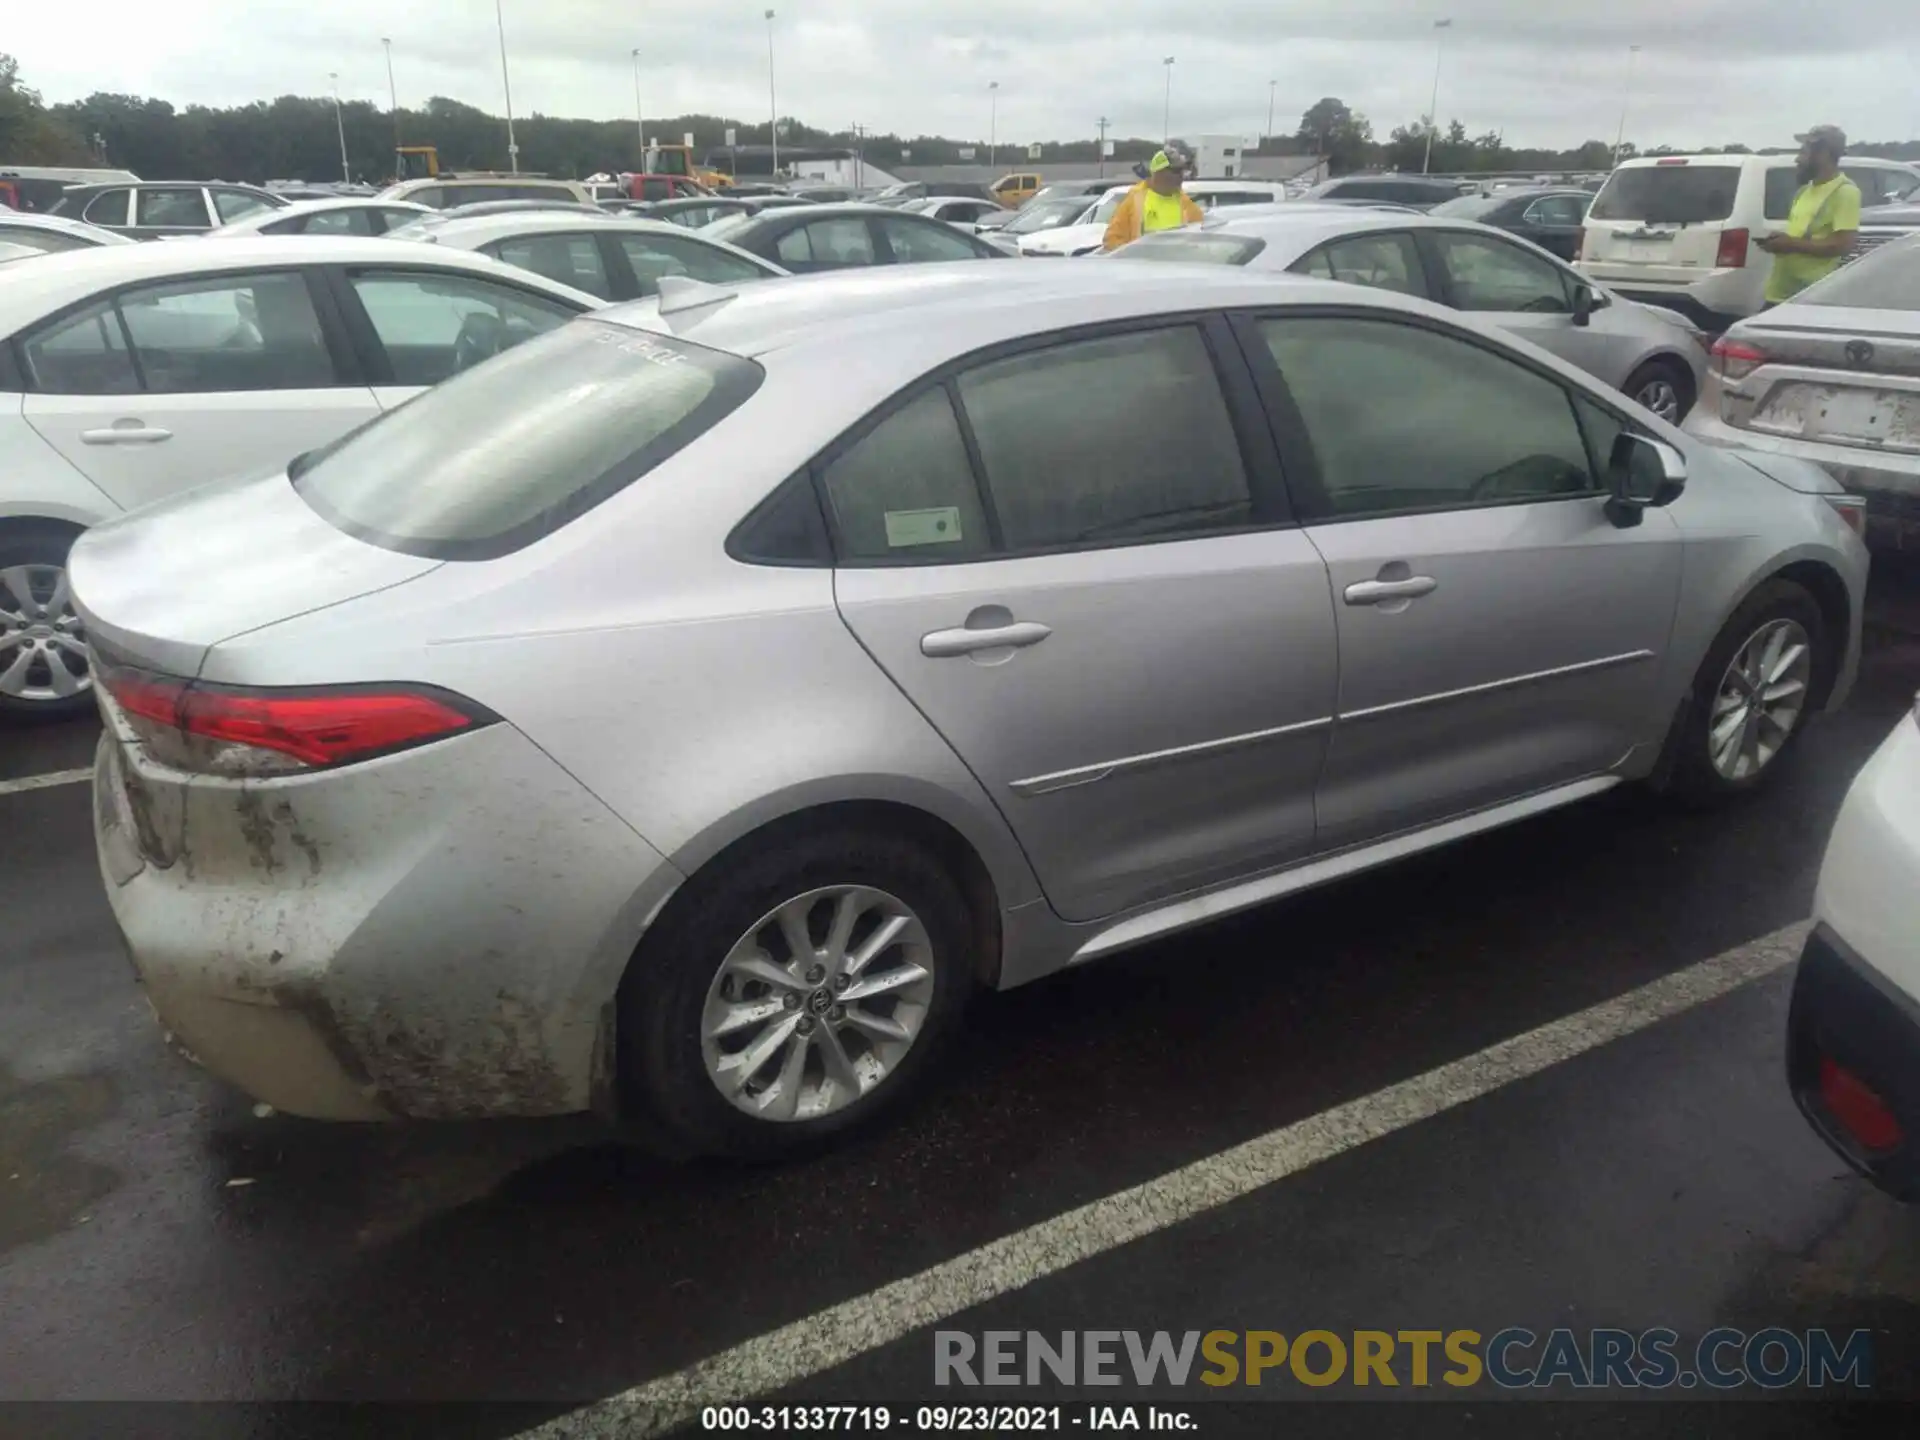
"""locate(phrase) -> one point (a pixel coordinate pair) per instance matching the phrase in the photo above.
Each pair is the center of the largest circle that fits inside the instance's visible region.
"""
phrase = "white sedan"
(344, 215)
(51, 234)
(616, 257)
(1853, 1036)
(132, 372)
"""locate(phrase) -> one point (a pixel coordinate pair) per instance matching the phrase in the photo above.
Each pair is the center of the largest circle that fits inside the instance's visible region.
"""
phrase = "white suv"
(1678, 230)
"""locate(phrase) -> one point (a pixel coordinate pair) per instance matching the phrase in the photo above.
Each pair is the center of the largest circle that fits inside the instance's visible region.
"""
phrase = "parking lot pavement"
(157, 1239)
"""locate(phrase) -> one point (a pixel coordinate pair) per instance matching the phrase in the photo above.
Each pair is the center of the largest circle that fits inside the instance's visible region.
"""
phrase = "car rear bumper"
(438, 933)
(1889, 482)
(1846, 1014)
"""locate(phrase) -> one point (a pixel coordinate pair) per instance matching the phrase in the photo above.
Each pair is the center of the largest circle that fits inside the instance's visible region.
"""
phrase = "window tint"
(252, 332)
(494, 459)
(434, 325)
(570, 259)
(654, 256)
(396, 217)
(183, 209)
(1150, 450)
(905, 492)
(335, 222)
(1672, 194)
(1486, 274)
(826, 245)
(1398, 419)
(109, 207)
(84, 354)
(1383, 262)
(923, 244)
(234, 204)
(1556, 210)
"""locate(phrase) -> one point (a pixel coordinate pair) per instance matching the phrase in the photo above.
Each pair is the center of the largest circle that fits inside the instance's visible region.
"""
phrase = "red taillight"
(1857, 1109)
(1735, 359)
(1733, 250)
(196, 728)
(1853, 510)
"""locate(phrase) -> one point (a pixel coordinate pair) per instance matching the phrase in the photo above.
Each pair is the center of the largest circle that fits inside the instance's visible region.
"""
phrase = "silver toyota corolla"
(1655, 356)
(684, 711)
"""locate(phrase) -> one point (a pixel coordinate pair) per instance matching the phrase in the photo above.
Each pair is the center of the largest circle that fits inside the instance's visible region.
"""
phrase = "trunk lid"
(1847, 376)
(1662, 222)
(161, 587)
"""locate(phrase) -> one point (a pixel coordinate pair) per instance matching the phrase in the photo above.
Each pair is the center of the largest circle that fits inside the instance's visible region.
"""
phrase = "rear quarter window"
(516, 448)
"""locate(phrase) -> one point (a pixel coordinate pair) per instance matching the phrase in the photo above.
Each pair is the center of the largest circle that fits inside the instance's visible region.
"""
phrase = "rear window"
(517, 447)
(1469, 207)
(1196, 247)
(1669, 194)
(1886, 278)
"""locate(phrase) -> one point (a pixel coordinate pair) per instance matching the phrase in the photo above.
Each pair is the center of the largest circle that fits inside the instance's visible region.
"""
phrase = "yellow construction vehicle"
(416, 162)
(678, 160)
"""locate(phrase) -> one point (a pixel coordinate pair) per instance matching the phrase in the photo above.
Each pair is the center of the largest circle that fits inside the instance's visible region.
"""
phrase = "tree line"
(295, 138)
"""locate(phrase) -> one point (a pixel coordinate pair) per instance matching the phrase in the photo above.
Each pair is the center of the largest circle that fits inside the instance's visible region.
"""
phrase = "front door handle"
(1377, 592)
(121, 434)
(943, 644)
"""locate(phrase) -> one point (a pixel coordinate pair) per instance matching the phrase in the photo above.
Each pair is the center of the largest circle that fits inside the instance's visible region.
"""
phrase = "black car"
(1551, 218)
(1420, 191)
(155, 209)
(843, 237)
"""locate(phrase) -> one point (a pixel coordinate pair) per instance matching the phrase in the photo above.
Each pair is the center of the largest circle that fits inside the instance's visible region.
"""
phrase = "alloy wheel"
(43, 645)
(818, 1003)
(1760, 699)
(1662, 397)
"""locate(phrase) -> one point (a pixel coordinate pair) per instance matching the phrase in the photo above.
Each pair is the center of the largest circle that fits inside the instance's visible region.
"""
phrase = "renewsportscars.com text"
(1512, 1359)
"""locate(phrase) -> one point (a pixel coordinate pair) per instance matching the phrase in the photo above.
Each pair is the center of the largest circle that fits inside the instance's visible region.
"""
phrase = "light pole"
(393, 104)
(773, 103)
(340, 126)
(639, 119)
(506, 84)
(993, 121)
(1166, 114)
(1104, 122)
(1620, 139)
(1440, 28)
(1273, 88)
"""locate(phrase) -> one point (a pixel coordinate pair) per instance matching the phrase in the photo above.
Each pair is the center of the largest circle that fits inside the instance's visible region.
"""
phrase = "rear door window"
(568, 259)
(84, 354)
(1671, 194)
(497, 458)
(337, 222)
(836, 244)
(1387, 261)
(925, 242)
(431, 326)
(235, 204)
(228, 333)
(904, 492)
(652, 257)
(171, 209)
(1487, 274)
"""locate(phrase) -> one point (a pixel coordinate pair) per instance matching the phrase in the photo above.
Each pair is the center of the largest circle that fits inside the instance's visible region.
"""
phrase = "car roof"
(919, 316)
(64, 224)
(56, 281)
(332, 202)
(1313, 223)
(472, 230)
(1737, 157)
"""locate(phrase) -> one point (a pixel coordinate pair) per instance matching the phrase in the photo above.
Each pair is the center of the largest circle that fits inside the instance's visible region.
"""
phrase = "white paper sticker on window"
(923, 527)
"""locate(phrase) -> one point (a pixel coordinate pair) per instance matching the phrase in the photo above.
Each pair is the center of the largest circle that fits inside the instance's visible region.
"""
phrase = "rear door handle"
(1375, 592)
(943, 644)
(126, 435)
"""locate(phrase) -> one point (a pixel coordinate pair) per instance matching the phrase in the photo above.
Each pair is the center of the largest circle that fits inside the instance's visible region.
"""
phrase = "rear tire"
(834, 1060)
(1663, 386)
(1732, 740)
(44, 673)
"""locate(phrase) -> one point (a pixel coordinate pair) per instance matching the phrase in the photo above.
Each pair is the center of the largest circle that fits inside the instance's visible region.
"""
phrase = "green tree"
(1343, 135)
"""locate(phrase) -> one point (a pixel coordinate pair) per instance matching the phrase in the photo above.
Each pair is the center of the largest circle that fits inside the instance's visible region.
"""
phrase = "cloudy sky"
(1543, 71)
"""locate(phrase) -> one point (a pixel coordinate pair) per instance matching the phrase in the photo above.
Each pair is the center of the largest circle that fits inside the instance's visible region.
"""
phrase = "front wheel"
(1663, 387)
(44, 673)
(794, 992)
(1752, 695)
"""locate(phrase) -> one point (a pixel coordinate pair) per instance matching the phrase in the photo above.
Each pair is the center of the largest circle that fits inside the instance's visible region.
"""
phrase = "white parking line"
(819, 1342)
(45, 782)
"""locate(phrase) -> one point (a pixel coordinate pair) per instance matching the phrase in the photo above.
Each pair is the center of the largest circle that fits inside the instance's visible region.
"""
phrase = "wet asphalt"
(159, 1241)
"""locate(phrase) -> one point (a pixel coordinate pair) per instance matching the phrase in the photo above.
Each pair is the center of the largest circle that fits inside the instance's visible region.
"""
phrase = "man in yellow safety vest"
(1157, 202)
(1824, 222)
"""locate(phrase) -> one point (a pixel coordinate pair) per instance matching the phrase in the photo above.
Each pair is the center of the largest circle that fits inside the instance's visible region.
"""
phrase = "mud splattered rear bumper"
(433, 934)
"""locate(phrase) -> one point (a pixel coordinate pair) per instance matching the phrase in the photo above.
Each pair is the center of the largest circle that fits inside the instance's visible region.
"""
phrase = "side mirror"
(1642, 474)
(1585, 301)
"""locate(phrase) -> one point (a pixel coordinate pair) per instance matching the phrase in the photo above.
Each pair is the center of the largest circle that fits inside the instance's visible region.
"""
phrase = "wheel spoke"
(13, 680)
(736, 1018)
(880, 1027)
(885, 983)
(792, 920)
(757, 966)
(1780, 690)
(785, 1102)
(60, 600)
(741, 1068)
(1785, 661)
(62, 681)
(847, 911)
(889, 932)
(15, 582)
(839, 1067)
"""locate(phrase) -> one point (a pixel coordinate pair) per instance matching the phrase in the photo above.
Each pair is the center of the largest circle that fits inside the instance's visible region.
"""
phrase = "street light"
(393, 104)
(1166, 115)
(340, 125)
(1620, 140)
(773, 103)
(639, 120)
(993, 120)
(1273, 88)
(506, 84)
(1440, 28)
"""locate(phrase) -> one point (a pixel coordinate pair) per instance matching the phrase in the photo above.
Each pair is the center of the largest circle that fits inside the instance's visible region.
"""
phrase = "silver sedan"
(1655, 356)
(683, 712)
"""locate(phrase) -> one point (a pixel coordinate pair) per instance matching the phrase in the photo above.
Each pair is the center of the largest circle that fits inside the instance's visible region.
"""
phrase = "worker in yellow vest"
(1824, 223)
(1157, 202)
